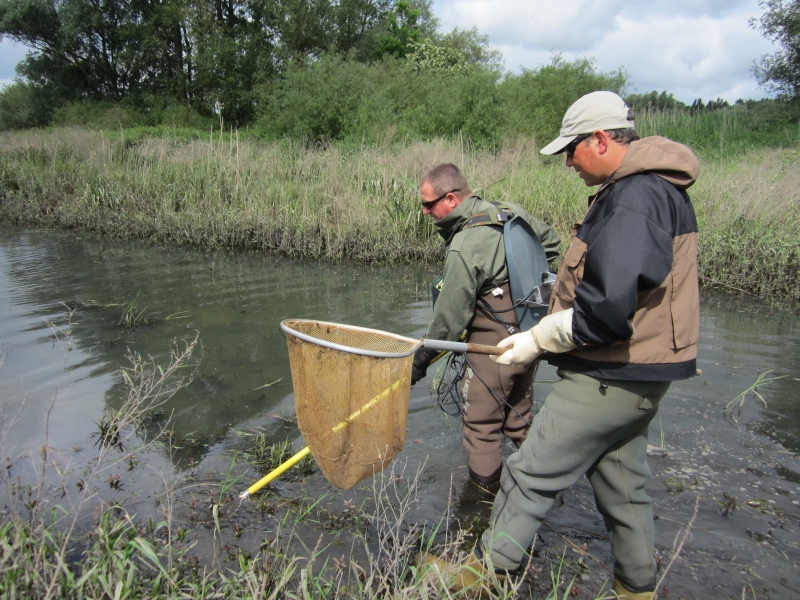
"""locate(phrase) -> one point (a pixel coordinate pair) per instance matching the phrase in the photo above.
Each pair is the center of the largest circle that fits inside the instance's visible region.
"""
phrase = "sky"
(691, 48)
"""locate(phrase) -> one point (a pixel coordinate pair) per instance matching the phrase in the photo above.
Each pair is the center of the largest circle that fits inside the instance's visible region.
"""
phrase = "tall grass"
(726, 132)
(346, 201)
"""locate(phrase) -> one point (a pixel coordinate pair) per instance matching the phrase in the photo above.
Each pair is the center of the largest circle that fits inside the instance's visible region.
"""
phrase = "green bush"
(315, 98)
(430, 93)
(336, 98)
(98, 115)
(536, 100)
(116, 115)
(21, 108)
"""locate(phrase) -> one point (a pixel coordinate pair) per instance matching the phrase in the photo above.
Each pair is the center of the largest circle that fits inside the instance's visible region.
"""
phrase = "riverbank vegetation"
(340, 200)
(313, 144)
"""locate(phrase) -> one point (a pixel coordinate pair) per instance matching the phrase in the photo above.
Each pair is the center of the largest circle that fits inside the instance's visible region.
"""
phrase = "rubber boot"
(624, 593)
(472, 576)
(490, 484)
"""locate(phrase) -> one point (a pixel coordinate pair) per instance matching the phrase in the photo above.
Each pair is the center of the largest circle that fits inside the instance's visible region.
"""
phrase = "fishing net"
(351, 388)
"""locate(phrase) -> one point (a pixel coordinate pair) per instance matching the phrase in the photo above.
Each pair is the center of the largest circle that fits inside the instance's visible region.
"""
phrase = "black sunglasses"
(431, 203)
(573, 145)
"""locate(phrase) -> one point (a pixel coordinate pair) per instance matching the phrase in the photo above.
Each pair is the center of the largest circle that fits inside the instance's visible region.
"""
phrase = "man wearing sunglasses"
(623, 324)
(473, 294)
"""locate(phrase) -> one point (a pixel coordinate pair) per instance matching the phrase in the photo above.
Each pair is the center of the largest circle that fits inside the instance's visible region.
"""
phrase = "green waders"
(593, 427)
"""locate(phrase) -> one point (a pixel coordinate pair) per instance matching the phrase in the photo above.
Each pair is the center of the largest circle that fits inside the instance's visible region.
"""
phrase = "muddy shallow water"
(726, 486)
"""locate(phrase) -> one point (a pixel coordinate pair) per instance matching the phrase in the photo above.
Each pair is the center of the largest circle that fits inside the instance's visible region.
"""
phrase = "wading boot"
(472, 576)
(624, 593)
(475, 502)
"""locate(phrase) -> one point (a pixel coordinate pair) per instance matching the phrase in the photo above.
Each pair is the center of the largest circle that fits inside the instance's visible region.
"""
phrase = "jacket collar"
(670, 160)
(450, 225)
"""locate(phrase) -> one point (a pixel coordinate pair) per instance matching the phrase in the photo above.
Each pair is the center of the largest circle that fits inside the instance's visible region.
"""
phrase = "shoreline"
(360, 204)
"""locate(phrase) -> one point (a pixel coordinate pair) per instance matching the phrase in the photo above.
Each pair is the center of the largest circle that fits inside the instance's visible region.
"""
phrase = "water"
(52, 282)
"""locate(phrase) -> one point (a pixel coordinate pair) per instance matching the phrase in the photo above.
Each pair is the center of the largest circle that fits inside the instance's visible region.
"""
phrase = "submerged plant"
(761, 381)
(108, 432)
(268, 456)
(133, 316)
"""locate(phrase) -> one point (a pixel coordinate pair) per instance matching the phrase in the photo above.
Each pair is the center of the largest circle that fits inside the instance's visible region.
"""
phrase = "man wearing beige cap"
(623, 324)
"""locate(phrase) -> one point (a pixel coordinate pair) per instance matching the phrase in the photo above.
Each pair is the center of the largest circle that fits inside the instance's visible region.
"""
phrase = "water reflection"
(235, 301)
(743, 338)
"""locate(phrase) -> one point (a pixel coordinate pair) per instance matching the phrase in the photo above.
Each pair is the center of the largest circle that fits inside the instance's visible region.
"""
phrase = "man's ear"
(602, 140)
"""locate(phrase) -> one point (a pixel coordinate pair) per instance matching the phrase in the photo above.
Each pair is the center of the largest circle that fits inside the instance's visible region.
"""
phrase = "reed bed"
(348, 201)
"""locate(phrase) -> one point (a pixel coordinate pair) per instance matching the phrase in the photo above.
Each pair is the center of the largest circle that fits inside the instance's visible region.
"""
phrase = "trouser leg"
(577, 424)
(618, 480)
(518, 416)
(496, 402)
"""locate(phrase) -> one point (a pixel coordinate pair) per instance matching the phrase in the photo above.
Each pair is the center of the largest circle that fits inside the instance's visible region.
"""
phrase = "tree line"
(200, 53)
(315, 69)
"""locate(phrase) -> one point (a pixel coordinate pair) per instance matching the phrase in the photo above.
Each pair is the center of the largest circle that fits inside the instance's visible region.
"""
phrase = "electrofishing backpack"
(529, 275)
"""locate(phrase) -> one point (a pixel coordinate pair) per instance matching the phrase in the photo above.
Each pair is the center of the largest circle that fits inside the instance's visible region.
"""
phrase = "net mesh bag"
(351, 408)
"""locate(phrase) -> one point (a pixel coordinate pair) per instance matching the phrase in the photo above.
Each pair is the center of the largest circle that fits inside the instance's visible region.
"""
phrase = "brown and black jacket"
(630, 272)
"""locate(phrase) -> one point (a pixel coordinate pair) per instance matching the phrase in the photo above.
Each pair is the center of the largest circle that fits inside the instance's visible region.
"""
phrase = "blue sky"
(692, 48)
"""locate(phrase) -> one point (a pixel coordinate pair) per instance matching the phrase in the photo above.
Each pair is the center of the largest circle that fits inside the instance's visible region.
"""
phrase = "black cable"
(485, 305)
(448, 390)
(493, 393)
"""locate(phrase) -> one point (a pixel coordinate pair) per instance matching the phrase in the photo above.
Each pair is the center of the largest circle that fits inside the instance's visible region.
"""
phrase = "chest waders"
(530, 281)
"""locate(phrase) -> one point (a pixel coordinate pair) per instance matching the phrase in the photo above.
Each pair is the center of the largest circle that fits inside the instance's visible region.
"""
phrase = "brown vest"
(667, 320)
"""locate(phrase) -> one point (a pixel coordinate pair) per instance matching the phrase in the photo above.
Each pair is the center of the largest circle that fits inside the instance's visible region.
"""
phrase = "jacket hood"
(452, 223)
(670, 160)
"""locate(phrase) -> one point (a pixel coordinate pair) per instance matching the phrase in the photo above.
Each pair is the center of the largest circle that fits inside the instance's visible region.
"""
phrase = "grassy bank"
(345, 201)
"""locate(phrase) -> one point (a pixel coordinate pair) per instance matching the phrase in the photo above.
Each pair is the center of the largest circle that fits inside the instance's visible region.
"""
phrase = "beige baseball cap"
(598, 110)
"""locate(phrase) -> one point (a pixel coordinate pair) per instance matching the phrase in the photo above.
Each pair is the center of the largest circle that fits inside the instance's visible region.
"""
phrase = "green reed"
(348, 201)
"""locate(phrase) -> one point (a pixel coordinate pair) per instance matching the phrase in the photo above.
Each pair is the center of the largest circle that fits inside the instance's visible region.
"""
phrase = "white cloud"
(572, 26)
(692, 48)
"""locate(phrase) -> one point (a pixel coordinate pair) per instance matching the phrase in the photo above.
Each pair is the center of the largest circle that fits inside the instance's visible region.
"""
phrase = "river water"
(54, 282)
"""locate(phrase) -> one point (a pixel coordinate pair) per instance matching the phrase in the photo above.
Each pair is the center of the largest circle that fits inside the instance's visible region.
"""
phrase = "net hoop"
(288, 330)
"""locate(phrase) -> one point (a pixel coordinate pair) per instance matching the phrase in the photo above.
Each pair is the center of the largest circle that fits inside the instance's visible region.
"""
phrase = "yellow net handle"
(304, 452)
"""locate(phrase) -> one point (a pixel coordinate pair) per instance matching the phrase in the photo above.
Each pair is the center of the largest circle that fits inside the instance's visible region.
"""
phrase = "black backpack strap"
(504, 214)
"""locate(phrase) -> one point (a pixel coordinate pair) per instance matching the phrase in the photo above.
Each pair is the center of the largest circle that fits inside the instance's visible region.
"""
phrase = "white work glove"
(523, 350)
(552, 334)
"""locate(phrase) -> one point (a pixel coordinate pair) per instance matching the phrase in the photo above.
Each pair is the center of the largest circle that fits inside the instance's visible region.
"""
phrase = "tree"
(654, 101)
(101, 49)
(537, 99)
(402, 30)
(780, 72)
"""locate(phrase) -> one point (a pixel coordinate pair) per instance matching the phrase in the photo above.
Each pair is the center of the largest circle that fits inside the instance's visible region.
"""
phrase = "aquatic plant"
(268, 455)
(762, 380)
(132, 315)
(108, 432)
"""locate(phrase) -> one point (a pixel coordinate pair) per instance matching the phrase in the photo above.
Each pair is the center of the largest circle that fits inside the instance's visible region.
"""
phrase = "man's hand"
(523, 350)
(552, 334)
(422, 359)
